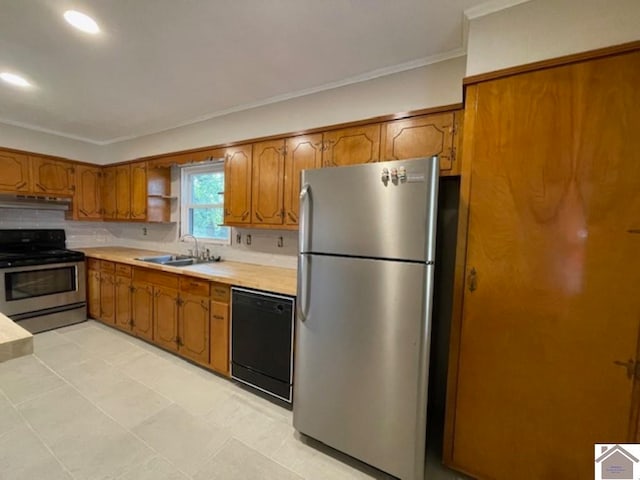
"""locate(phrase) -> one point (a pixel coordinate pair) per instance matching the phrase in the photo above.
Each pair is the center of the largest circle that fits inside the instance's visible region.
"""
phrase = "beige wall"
(542, 29)
(429, 86)
(46, 143)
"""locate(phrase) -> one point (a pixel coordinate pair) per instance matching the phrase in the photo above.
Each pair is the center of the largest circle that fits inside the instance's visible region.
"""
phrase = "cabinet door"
(109, 193)
(267, 185)
(220, 337)
(301, 153)
(194, 327)
(165, 317)
(142, 310)
(52, 176)
(551, 312)
(123, 302)
(16, 175)
(237, 185)
(351, 146)
(139, 191)
(123, 192)
(87, 203)
(93, 294)
(422, 136)
(107, 297)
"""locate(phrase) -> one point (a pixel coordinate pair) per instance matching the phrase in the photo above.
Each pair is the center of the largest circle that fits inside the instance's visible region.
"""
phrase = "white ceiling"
(162, 63)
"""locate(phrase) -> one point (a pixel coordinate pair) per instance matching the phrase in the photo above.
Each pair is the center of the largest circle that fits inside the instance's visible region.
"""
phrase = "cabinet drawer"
(93, 264)
(220, 292)
(123, 270)
(108, 267)
(194, 286)
(157, 278)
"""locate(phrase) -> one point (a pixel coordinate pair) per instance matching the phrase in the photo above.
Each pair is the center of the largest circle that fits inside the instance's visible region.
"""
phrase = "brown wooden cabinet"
(138, 192)
(193, 340)
(123, 192)
(107, 297)
(123, 291)
(16, 174)
(142, 308)
(543, 356)
(423, 136)
(165, 317)
(351, 146)
(219, 334)
(237, 185)
(87, 203)
(109, 211)
(93, 291)
(52, 177)
(267, 184)
(302, 152)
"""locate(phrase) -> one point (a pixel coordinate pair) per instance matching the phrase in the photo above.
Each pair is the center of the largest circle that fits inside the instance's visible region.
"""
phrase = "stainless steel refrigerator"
(365, 282)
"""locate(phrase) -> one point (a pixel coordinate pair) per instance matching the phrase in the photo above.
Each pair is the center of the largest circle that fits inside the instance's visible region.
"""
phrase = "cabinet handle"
(246, 214)
(292, 217)
(40, 187)
(204, 305)
(179, 301)
(633, 368)
(258, 216)
(20, 185)
(472, 279)
(218, 317)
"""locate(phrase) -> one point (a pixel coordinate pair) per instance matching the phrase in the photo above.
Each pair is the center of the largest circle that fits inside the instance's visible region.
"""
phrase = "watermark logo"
(619, 462)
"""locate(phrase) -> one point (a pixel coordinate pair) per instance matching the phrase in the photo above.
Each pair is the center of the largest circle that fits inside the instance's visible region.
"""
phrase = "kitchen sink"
(176, 260)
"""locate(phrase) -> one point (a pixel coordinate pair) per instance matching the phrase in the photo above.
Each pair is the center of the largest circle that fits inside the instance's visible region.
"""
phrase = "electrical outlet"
(238, 238)
(144, 231)
(247, 239)
(280, 242)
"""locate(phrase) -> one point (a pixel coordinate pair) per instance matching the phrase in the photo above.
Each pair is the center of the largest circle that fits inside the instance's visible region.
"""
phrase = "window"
(203, 203)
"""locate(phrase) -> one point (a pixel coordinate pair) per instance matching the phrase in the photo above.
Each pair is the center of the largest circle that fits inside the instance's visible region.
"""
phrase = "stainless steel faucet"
(195, 240)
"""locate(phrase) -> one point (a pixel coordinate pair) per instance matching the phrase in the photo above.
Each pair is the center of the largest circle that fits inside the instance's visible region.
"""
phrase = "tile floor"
(94, 403)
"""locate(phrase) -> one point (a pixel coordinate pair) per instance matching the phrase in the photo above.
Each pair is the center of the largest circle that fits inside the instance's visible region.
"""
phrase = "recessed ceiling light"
(81, 21)
(14, 79)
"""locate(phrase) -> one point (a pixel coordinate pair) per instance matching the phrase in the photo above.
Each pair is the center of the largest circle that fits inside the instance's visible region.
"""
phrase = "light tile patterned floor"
(94, 403)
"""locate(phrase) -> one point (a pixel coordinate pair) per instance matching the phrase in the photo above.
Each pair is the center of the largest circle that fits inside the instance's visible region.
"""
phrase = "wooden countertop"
(271, 279)
(15, 341)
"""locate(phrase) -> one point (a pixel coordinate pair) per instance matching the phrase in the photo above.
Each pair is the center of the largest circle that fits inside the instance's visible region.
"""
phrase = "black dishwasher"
(261, 341)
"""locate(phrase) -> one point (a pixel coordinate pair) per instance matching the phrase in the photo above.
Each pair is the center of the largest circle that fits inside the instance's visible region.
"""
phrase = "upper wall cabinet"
(55, 177)
(138, 191)
(237, 184)
(267, 182)
(351, 146)
(125, 192)
(302, 152)
(423, 136)
(15, 173)
(87, 204)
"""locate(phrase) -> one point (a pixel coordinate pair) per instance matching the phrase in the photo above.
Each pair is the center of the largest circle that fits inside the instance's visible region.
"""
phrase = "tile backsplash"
(263, 249)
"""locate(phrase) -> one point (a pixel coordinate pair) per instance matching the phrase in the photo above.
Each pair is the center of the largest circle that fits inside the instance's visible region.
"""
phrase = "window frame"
(186, 174)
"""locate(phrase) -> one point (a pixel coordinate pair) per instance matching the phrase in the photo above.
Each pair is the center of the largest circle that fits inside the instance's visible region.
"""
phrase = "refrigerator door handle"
(303, 287)
(303, 267)
(305, 217)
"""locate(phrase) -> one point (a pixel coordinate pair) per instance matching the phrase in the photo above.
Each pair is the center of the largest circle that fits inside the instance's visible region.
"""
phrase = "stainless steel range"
(42, 284)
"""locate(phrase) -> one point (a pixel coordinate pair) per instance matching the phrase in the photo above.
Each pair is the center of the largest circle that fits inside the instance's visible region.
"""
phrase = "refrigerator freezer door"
(361, 362)
(380, 210)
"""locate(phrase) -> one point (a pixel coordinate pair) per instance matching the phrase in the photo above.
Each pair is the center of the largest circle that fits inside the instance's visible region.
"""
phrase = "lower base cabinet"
(219, 343)
(179, 313)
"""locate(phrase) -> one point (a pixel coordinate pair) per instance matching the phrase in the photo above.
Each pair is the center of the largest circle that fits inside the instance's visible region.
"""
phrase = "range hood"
(35, 202)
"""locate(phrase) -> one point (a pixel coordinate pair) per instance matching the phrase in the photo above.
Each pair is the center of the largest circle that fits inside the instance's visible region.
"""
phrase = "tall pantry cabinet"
(545, 358)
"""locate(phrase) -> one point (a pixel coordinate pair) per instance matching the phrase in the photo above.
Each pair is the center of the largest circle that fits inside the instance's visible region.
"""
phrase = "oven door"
(41, 287)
